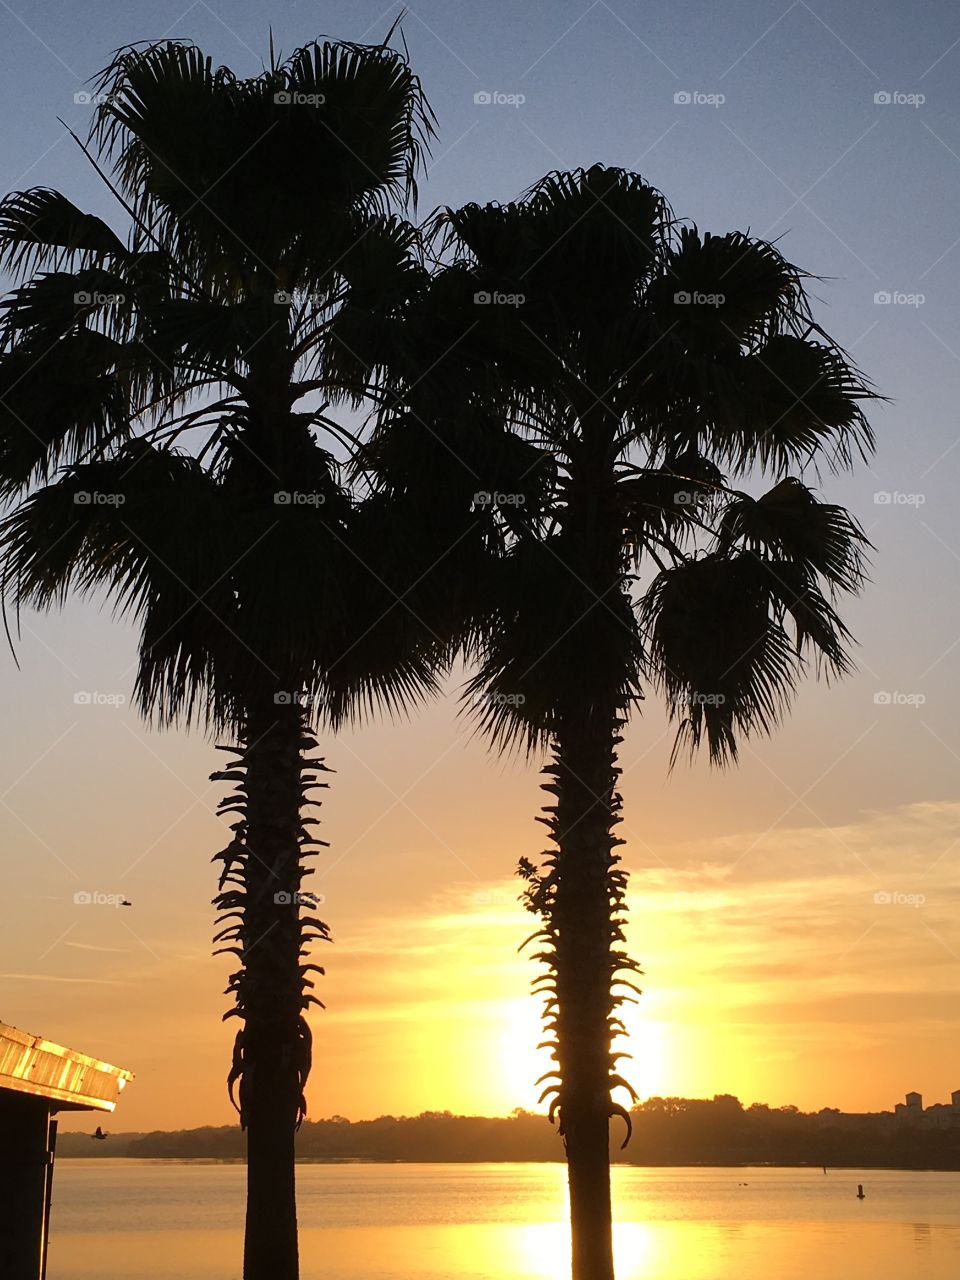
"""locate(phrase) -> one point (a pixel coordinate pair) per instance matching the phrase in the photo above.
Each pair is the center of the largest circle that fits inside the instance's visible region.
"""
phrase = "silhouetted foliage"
(666, 1131)
(650, 370)
(164, 427)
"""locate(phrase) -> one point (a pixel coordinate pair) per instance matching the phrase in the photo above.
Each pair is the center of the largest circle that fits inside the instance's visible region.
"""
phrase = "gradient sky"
(771, 970)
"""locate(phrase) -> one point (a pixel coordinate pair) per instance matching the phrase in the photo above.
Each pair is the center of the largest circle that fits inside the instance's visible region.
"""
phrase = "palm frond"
(547, 631)
(41, 228)
(572, 237)
(725, 641)
(58, 402)
(729, 291)
(202, 155)
(789, 523)
(662, 503)
(789, 401)
(109, 526)
(56, 302)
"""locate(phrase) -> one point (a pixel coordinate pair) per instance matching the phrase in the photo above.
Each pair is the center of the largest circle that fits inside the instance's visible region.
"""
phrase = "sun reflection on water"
(541, 1251)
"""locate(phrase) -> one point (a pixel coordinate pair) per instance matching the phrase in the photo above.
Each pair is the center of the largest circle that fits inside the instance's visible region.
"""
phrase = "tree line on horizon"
(666, 1131)
(319, 452)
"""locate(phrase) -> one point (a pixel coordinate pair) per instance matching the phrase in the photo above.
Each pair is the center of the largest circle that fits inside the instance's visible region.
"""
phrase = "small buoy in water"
(860, 1195)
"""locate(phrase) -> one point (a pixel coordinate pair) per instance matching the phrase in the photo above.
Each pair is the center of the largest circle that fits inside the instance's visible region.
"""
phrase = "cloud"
(910, 840)
(53, 977)
(89, 946)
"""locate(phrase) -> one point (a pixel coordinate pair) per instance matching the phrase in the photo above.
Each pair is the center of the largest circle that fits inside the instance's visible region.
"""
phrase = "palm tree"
(654, 367)
(164, 432)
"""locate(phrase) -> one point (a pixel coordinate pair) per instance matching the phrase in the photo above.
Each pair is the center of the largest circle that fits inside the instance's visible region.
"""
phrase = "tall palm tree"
(655, 368)
(165, 436)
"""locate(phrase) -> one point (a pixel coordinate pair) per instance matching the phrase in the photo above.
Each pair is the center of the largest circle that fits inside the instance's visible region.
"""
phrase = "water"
(161, 1220)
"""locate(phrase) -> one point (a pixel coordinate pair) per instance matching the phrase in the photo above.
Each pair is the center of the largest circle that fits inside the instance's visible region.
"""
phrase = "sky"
(797, 918)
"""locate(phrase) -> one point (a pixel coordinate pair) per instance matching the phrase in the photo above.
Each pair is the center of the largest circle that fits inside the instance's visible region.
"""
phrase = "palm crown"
(658, 367)
(165, 371)
(164, 427)
(647, 369)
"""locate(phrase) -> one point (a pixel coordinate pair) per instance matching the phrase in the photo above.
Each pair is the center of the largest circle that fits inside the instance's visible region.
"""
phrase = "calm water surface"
(161, 1220)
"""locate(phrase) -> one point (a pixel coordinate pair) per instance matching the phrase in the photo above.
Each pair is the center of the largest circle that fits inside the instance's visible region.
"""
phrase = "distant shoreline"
(625, 1164)
(667, 1133)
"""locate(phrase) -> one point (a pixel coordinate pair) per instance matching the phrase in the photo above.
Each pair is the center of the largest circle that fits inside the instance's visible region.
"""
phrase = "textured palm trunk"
(270, 1087)
(586, 934)
(270, 1241)
(584, 907)
(261, 888)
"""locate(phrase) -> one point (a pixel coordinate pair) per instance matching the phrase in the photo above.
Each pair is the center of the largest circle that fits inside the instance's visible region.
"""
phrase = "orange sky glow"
(775, 966)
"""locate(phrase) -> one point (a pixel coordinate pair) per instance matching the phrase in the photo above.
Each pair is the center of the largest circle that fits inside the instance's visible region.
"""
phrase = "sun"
(519, 1063)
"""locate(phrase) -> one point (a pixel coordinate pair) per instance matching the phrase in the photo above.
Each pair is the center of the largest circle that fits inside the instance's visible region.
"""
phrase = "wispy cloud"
(89, 946)
(59, 978)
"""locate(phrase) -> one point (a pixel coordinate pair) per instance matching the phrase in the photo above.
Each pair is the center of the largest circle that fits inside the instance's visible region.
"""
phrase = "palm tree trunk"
(587, 929)
(270, 1238)
(586, 915)
(260, 886)
(270, 1089)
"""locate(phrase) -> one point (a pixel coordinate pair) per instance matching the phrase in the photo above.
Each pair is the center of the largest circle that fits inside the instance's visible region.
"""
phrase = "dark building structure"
(910, 1114)
(38, 1079)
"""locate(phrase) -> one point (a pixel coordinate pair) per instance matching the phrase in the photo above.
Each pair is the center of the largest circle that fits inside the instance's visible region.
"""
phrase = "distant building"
(911, 1112)
(941, 1115)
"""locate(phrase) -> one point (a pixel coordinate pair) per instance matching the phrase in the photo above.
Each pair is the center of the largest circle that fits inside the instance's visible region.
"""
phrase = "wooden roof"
(72, 1081)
